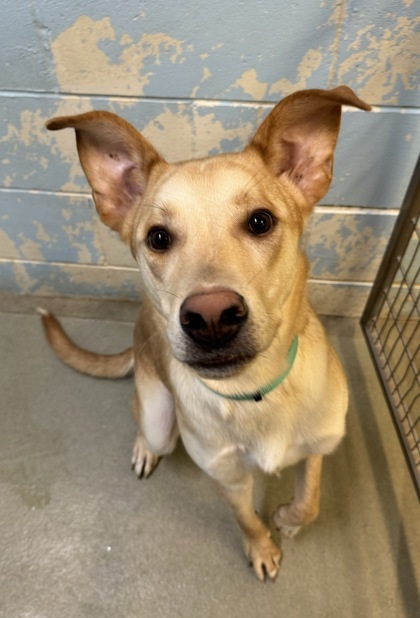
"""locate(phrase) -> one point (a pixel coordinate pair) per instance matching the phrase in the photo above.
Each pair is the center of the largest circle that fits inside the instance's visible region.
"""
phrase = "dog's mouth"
(219, 366)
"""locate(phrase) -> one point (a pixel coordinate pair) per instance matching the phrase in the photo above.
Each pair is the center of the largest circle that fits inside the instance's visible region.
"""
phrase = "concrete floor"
(80, 536)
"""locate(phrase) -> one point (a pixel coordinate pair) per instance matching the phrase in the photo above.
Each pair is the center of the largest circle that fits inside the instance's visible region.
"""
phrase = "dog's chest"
(256, 433)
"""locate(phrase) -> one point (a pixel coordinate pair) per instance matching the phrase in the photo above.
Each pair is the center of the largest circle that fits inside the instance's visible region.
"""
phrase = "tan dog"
(227, 349)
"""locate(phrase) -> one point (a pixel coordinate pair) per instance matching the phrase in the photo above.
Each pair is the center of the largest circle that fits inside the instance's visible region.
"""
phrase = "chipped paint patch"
(23, 134)
(378, 60)
(82, 63)
(220, 128)
(206, 75)
(171, 132)
(29, 249)
(50, 279)
(250, 84)
(30, 130)
(337, 17)
(7, 246)
(346, 246)
(34, 228)
(310, 62)
(116, 253)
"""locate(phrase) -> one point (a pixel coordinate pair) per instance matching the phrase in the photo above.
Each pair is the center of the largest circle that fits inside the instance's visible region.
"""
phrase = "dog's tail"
(97, 365)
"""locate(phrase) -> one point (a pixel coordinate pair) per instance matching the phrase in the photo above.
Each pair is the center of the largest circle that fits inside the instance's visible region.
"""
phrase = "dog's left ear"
(299, 135)
(116, 159)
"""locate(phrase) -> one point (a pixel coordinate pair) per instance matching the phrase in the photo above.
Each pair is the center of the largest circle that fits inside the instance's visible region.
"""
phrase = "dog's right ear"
(116, 159)
(298, 137)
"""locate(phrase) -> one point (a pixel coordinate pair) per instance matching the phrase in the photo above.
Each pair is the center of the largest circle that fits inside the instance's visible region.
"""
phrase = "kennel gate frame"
(407, 227)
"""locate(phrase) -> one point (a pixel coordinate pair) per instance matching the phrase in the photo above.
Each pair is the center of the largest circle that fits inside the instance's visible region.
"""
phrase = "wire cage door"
(391, 324)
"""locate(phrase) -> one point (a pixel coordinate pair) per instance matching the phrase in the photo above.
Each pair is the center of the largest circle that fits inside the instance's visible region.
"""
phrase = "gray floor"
(80, 536)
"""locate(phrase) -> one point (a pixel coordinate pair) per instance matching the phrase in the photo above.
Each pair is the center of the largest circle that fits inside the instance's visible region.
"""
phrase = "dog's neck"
(262, 391)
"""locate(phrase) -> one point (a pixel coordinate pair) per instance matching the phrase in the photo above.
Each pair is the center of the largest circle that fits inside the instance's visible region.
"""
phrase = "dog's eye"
(159, 239)
(260, 222)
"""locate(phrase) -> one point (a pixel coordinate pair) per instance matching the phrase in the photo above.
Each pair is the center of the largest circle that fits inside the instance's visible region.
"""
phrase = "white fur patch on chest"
(270, 434)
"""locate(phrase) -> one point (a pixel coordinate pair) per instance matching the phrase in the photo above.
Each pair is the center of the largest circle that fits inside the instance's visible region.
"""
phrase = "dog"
(228, 352)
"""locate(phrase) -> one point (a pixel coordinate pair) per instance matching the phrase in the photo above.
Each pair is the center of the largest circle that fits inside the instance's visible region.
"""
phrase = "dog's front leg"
(259, 547)
(153, 410)
(304, 507)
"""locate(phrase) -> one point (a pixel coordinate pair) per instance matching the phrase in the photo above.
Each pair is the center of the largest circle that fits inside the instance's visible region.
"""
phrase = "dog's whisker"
(155, 205)
(254, 277)
(152, 336)
(248, 188)
(273, 317)
(168, 292)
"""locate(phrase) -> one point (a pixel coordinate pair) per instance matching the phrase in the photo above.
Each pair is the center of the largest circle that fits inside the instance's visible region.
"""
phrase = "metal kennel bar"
(391, 325)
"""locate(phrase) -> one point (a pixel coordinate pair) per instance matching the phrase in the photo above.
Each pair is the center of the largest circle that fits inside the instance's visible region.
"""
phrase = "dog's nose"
(213, 318)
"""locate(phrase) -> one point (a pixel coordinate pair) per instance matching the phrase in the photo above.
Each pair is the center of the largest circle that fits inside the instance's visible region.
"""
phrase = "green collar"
(260, 393)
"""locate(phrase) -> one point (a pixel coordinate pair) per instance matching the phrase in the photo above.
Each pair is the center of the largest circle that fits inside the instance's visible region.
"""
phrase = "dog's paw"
(284, 522)
(264, 556)
(289, 519)
(143, 462)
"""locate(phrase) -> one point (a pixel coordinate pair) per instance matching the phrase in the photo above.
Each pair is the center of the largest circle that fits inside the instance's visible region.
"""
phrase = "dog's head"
(217, 239)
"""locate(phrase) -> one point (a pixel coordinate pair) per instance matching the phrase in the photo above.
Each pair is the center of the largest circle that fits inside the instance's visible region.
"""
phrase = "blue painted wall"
(197, 78)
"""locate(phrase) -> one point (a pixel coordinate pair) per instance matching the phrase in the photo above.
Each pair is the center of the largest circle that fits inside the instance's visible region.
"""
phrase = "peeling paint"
(206, 75)
(250, 84)
(30, 131)
(212, 135)
(29, 249)
(49, 279)
(337, 17)
(195, 84)
(311, 61)
(171, 133)
(41, 234)
(381, 58)
(36, 229)
(347, 247)
(8, 247)
(82, 66)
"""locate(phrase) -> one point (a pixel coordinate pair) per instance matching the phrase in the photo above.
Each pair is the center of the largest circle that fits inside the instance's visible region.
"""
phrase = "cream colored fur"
(206, 208)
